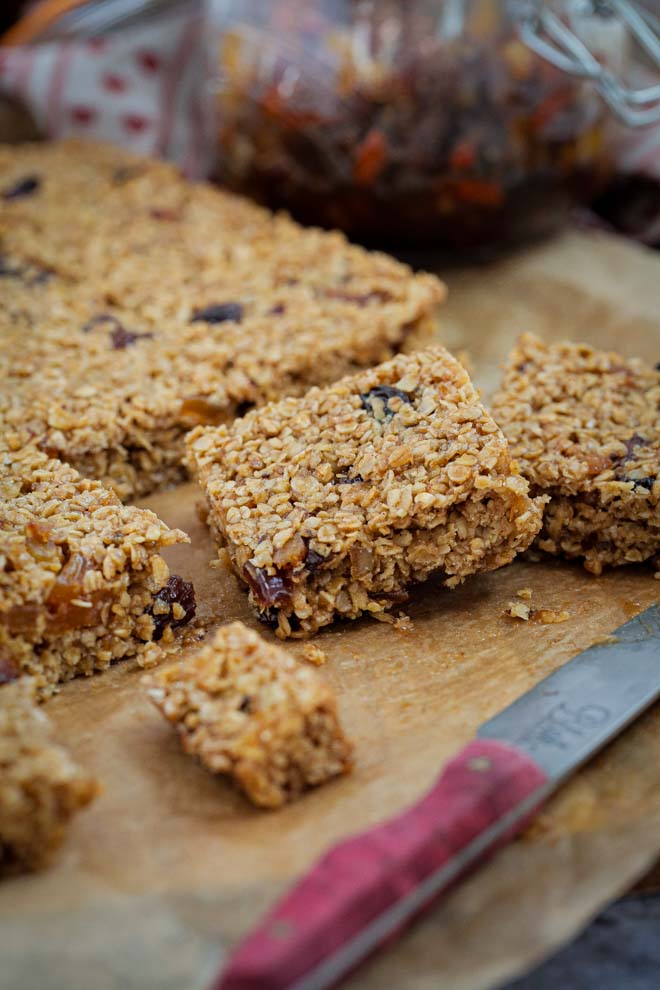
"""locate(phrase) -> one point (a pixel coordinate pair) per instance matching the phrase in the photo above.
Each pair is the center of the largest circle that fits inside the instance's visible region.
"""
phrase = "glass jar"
(425, 122)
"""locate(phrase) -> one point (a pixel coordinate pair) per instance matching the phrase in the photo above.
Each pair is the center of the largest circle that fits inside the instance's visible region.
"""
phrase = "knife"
(365, 891)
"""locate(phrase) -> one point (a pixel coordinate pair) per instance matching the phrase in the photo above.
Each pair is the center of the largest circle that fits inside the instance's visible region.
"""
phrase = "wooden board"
(171, 866)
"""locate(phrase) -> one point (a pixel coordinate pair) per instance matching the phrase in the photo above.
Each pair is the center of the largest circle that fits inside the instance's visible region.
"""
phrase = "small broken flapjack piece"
(550, 616)
(584, 426)
(547, 616)
(246, 708)
(340, 502)
(518, 610)
(41, 788)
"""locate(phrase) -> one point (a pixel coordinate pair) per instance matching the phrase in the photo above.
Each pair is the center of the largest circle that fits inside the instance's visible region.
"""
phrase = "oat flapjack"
(154, 304)
(336, 503)
(246, 708)
(585, 428)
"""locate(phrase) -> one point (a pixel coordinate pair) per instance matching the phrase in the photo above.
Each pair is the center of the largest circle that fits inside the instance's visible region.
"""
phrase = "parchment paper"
(170, 866)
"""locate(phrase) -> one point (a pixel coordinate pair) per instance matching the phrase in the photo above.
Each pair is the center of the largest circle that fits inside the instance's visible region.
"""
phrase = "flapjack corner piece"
(585, 428)
(41, 788)
(82, 579)
(248, 709)
(337, 503)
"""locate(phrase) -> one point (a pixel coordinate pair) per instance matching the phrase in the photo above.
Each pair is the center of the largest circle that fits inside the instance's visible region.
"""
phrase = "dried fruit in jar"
(371, 119)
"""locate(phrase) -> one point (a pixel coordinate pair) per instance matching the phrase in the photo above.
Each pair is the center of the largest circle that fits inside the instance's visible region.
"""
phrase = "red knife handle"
(367, 889)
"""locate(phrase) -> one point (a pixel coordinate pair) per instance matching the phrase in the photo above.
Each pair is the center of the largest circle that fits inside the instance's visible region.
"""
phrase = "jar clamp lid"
(570, 46)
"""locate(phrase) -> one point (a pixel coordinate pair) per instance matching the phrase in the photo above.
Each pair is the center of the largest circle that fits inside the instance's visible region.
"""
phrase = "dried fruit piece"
(370, 158)
(120, 337)
(198, 410)
(377, 401)
(24, 187)
(344, 478)
(22, 618)
(175, 592)
(227, 312)
(169, 216)
(269, 590)
(69, 582)
(313, 560)
(100, 318)
(631, 445)
(69, 606)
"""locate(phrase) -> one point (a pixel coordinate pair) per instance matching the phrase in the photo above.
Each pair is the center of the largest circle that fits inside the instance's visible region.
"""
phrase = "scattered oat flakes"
(549, 616)
(525, 593)
(518, 610)
(404, 624)
(314, 654)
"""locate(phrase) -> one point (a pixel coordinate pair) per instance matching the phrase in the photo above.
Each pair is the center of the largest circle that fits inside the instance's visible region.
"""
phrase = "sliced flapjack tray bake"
(138, 309)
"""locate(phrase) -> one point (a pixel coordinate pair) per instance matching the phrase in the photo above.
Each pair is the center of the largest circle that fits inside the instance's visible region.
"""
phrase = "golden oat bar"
(114, 395)
(336, 503)
(82, 579)
(154, 305)
(247, 709)
(161, 246)
(585, 428)
(91, 385)
(137, 229)
(41, 788)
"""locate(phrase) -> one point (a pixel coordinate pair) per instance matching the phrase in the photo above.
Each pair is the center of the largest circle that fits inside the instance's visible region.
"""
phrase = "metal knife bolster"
(368, 888)
(584, 704)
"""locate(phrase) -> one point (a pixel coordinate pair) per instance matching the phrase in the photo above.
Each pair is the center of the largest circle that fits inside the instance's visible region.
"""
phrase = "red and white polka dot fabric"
(145, 88)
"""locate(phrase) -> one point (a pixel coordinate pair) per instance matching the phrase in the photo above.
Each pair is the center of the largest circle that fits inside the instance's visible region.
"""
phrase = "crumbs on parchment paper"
(314, 654)
(547, 616)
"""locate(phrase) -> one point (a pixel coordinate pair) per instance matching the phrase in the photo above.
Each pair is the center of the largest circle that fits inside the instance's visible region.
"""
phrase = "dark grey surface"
(575, 711)
(619, 951)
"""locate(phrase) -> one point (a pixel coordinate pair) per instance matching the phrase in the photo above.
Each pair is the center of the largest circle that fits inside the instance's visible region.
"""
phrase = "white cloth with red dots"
(145, 88)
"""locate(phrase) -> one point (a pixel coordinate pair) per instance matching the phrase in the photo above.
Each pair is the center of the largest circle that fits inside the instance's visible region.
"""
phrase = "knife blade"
(367, 890)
